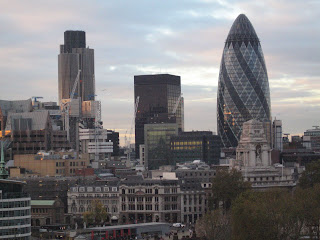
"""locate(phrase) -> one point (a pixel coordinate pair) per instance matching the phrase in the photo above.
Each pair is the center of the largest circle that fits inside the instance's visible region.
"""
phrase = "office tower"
(195, 145)
(160, 101)
(243, 91)
(74, 56)
(157, 144)
(277, 135)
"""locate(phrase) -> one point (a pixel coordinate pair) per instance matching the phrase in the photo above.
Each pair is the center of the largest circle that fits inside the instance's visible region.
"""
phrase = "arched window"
(81, 209)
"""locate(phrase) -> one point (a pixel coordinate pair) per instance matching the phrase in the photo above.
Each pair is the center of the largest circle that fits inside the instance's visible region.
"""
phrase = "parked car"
(178, 225)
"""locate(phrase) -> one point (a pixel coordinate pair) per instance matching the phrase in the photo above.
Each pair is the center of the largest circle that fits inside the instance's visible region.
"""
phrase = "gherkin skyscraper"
(243, 90)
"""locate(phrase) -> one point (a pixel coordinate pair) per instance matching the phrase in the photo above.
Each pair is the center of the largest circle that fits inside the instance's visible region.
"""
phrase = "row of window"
(15, 222)
(140, 207)
(14, 204)
(190, 209)
(82, 209)
(140, 199)
(39, 210)
(96, 189)
(14, 231)
(15, 213)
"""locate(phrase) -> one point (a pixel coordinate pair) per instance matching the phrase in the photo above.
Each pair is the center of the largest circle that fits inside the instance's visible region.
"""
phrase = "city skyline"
(184, 39)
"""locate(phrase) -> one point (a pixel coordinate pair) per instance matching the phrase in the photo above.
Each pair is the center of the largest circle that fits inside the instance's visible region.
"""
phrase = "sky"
(185, 38)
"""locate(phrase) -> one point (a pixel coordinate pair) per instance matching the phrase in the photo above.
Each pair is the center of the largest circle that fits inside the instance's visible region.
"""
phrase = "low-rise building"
(150, 200)
(47, 212)
(81, 197)
(50, 164)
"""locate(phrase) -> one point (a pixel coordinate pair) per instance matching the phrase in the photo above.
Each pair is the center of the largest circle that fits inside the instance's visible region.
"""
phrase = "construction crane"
(176, 105)
(127, 141)
(66, 106)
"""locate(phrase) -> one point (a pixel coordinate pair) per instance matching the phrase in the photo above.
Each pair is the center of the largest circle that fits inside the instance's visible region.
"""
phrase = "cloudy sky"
(180, 37)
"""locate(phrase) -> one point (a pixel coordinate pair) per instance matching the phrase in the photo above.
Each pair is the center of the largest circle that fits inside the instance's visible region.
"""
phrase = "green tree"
(226, 186)
(274, 214)
(311, 175)
(97, 215)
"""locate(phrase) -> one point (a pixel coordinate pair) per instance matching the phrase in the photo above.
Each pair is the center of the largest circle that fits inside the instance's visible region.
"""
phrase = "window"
(167, 190)
(156, 199)
(123, 191)
(131, 199)
(174, 206)
(167, 207)
(148, 190)
(156, 191)
(123, 207)
(174, 190)
(149, 207)
(140, 207)
(132, 207)
(140, 199)
(148, 199)
(167, 199)
(131, 191)
(157, 207)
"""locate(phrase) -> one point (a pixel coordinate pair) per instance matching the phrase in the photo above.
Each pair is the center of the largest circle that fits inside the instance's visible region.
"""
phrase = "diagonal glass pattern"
(243, 91)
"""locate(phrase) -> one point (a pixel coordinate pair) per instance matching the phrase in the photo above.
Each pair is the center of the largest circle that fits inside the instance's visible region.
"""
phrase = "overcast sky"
(185, 38)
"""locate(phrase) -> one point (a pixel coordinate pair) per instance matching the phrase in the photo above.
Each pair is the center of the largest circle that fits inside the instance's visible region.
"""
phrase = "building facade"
(253, 159)
(49, 164)
(15, 214)
(243, 90)
(149, 200)
(157, 144)
(75, 56)
(277, 135)
(160, 101)
(47, 212)
(311, 139)
(81, 197)
(195, 145)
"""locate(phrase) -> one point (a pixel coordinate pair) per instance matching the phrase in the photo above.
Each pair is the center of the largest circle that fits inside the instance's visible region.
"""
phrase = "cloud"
(183, 38)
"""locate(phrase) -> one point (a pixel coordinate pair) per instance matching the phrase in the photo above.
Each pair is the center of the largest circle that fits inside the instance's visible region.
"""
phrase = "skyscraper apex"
(243, 91)
(74, 39)
(242, 29)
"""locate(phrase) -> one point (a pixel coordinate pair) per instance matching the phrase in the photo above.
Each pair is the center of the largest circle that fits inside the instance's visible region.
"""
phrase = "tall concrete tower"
(74, 56)
(243, 91)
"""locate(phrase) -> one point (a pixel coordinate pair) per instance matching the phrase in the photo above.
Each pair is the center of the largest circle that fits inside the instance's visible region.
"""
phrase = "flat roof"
(127, 226)
(42, 202)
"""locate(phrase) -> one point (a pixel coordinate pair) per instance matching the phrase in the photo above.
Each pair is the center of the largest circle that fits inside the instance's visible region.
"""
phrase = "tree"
(274, 214)
(97, 214)
(214, 225)
(311, 175)
(226, 186)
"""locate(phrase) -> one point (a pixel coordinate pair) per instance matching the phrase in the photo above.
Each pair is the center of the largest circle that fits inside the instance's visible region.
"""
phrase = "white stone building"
(253, 159)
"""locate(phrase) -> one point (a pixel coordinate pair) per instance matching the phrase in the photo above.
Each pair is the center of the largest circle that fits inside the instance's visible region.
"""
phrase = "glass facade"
(243, 91)
(157, 144)
(15, 215)
(158, 96)
(198, 145)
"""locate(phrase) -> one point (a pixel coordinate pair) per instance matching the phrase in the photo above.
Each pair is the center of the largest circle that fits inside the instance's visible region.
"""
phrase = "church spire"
(3, 172)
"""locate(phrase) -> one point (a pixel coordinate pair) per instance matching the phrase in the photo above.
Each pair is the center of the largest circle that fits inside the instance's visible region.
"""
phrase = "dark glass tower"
(243, 91)
(158, 95)
(74, 39)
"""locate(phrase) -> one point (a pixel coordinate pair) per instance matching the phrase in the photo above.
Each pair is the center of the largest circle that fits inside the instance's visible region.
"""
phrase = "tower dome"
(243, 89)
